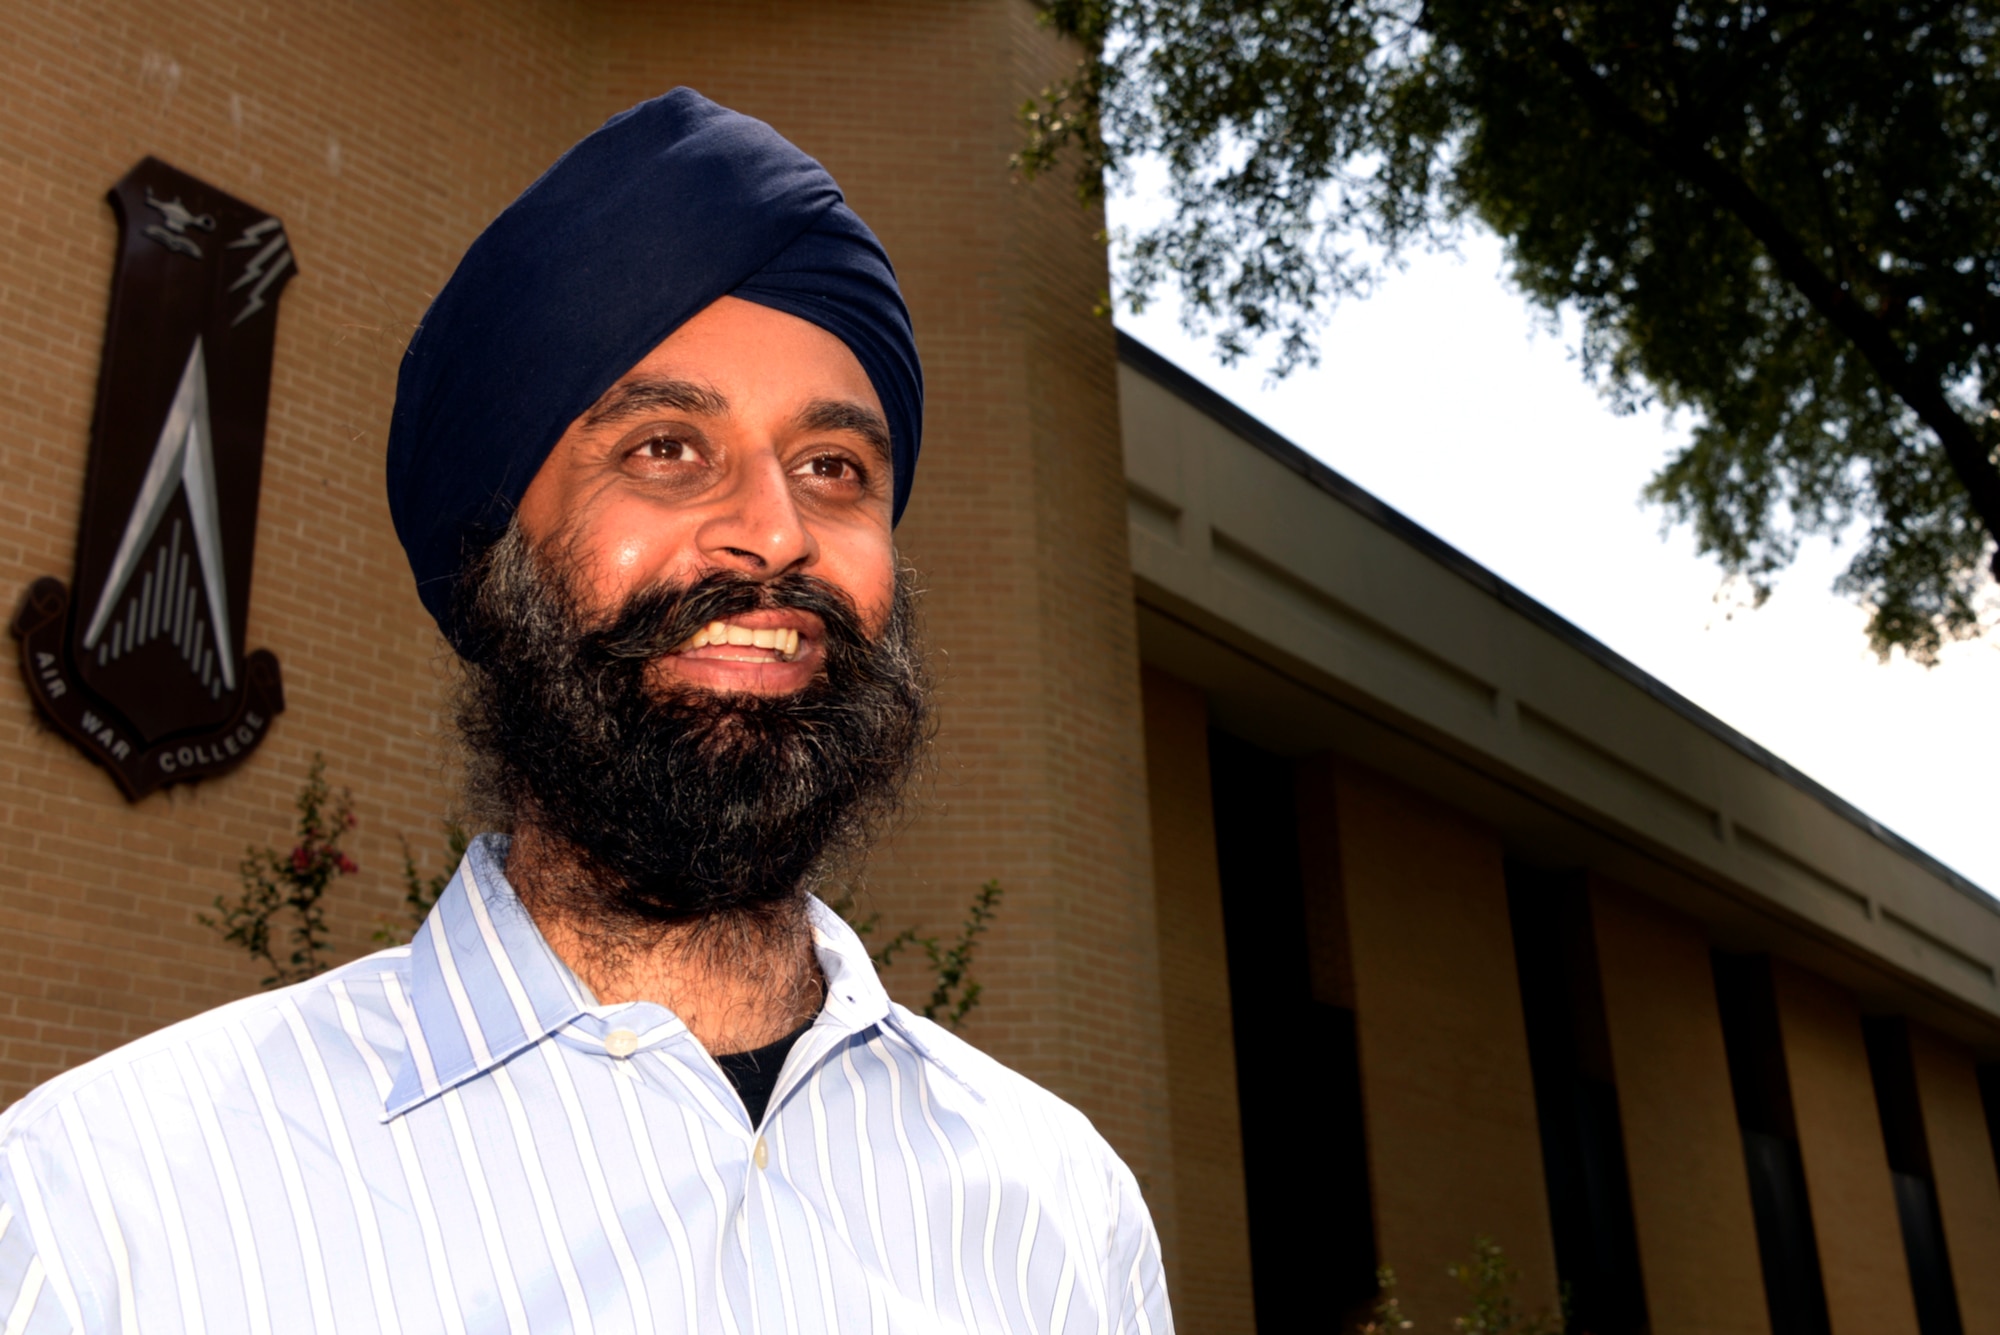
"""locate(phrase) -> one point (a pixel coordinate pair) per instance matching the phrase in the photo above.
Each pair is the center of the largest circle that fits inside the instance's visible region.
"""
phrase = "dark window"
(1576, 1102)
(1910, 1170)
(1785, 1243)
(1312, 1241)
(1989, 1095)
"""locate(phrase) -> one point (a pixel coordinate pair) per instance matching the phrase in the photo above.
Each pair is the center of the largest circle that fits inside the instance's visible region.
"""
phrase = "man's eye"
(665, 448)
(833, 468)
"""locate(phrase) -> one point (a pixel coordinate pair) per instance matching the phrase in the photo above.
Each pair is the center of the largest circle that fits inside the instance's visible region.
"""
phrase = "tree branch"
(1967, 455)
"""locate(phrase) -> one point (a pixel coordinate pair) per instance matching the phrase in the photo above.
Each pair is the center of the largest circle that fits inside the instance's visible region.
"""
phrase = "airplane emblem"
(177, 218)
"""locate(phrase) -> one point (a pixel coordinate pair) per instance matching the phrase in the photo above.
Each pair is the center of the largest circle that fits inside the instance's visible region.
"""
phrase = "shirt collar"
(855, 997)
(484, 984)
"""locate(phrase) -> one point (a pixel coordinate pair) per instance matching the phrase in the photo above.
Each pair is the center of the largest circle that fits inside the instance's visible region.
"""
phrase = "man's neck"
(738, 981)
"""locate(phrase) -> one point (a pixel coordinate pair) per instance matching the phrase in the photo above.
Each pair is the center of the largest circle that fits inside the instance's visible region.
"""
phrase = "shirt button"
(762, 1154)
(621, 1042)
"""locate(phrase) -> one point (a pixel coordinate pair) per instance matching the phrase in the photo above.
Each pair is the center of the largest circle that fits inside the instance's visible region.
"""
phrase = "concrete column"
(1683, 1151)
(1847, 1166)
(1208, 1258)
(1968, 1189)
(1453, 1148)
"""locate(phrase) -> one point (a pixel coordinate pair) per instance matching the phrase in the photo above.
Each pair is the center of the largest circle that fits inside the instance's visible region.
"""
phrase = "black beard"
(690, 805)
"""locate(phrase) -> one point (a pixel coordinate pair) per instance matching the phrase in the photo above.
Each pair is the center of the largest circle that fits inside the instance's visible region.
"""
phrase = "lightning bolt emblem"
(263, 268)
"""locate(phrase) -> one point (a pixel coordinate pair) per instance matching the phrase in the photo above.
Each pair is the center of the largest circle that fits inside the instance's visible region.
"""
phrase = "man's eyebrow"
(630, 398)
(847, 415)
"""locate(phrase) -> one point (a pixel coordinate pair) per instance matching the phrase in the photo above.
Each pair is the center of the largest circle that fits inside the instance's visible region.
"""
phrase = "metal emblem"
(144, 666)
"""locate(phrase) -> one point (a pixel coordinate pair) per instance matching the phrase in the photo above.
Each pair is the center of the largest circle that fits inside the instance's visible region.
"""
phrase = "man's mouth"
(778, 643)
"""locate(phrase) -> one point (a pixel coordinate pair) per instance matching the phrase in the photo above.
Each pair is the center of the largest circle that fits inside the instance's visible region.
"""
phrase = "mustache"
(661, 618)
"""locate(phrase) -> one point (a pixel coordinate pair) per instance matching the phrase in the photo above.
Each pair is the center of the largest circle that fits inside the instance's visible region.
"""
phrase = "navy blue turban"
(634, 231)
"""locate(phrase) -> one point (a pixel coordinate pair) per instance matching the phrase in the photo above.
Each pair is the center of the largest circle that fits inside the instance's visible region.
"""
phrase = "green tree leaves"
(954, 990)
(1777, 218)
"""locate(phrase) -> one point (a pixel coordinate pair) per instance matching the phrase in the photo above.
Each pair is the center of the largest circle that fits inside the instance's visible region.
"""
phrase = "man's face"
(752, 442)
(733, 485)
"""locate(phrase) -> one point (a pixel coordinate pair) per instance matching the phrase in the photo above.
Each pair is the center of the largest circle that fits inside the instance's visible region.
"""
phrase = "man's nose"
(756, 527)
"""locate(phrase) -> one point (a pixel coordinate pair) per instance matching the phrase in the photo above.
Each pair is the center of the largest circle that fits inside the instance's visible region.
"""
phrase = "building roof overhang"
(1317, 617)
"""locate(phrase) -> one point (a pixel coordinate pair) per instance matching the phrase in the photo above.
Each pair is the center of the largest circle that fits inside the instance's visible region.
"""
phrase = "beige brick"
(1847, 1164)
(1454, 1152)
(1683, 1151)
(440, 115)
(1968, 1188)
(1208, 1259)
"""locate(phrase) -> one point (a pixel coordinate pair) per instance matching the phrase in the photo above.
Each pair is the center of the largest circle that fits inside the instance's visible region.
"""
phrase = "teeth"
(784, 641)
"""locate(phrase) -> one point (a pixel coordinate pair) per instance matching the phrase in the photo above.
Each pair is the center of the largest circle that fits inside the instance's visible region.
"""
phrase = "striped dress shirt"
(453, 1136)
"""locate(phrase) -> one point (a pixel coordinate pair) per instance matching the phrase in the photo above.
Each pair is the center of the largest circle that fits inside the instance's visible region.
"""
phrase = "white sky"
(1440, 395)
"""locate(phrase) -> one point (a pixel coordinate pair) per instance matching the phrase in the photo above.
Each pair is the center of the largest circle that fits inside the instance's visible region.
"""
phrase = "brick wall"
(1453, 1148)
(1962, 1170)
(385, 136)
(1683, 1152)
(376, 134)
(1847, 1164)
(1208, 1256)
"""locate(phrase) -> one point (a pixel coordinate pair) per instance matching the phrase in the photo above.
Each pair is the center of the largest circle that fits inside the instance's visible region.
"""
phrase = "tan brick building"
(1364, 906)
(1552, 956)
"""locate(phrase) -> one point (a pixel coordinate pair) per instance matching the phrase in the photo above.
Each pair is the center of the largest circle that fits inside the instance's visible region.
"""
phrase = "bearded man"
(648, 451)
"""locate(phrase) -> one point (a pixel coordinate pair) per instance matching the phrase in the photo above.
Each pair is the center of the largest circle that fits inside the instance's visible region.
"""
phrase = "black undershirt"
(755, 1073)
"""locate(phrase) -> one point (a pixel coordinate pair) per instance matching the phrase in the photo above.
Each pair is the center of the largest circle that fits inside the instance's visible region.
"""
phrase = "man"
(648, 450)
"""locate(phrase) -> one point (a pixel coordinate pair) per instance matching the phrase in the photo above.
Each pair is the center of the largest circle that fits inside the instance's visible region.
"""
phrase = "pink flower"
(300, 858)
(346, 865)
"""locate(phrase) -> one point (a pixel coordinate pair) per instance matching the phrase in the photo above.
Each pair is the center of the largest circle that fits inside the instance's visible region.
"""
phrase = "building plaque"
(140, 661)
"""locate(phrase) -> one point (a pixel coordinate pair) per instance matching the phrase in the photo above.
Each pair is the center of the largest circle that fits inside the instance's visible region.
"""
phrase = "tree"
(954, 992)
(1779, 218)
(281, 901)
(420, 892)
